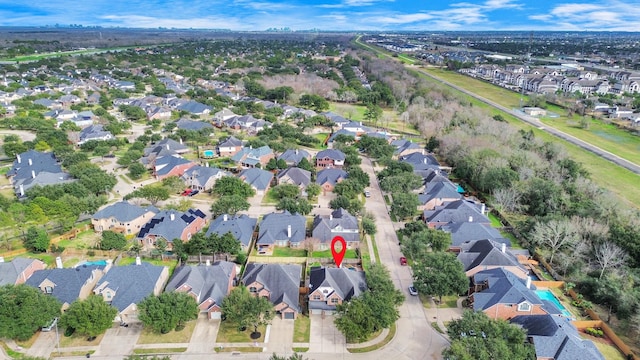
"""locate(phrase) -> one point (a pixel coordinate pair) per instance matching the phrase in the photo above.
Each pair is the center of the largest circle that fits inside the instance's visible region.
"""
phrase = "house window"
(253, 289)
(525, 306)
(48, 289)
(334, 300)
(316, 297)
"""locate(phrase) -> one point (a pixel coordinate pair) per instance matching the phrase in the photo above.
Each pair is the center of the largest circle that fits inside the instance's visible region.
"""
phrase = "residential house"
(355, 127)
(260, 180)
(18, 270)
(192, 125)
(335, 118)
(329, 287)
(293, 156)
(281, 229)
(338, 223)
(229, 147)
(93, 99)
(162, 148)
(249, 157)
(171, 165)
(208, 284)
(296, 176)
(68, 285)
(438, 193)
(468, 231)
(556, 338)
(241, 227)
(420, 161)
(202, 177)
(277, 282)
(404, 147)
(194, 108)
(125, 286)
(485, 254)
(94, 132)
(170, 225)
(335, 134)
(223, 115)
(330, 159)
(33, 168)
(328, 178)
(456, 212)
(122, 217)
(155, 112)
(502, 295)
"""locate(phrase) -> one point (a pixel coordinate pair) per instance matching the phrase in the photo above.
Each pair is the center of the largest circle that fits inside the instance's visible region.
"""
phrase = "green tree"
(36, 239)
(230, 185)
(294, 205)
(93, 178)
(90, 317)
(439, 274)
(173, 183)
(136, 170)
(229, 204)
(373, 113)
(243, 309)
(369, 225)
(401, 183)
(226, 243)
(404, 205)
(153, 193)
(24, 310)
(112, 241)
(285, 191)
(168, 311)
(499, 341)
(294, 356)
(313, 190)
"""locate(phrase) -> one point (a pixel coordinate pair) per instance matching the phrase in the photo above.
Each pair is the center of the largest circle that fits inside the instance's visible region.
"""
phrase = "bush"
(241, 258)
(594, 332)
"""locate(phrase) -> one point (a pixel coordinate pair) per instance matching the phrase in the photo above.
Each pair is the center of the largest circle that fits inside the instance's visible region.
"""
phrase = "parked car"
(413, 291)
(367, 194)
(194, 192)
(403, 261)
(187, 192)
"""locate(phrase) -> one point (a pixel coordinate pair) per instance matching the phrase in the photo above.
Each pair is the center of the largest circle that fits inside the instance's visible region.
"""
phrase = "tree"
(401, 183)
(404, 205)
(230, 185)
(609, 255)
(244, 309)
(373, 113)
(112, 241)
(36, 239)
(24, 310)
(499, 341)
(313, 190)
(229, 204)
(174, 183)
(89, 317)
(555, 235)
(439, 274)
(153, 193)
(168, 311)
(294, 205)
(369, 225)
(285, 191)
(294, 356)
(93, 178)
(226, 243)
(136, 170)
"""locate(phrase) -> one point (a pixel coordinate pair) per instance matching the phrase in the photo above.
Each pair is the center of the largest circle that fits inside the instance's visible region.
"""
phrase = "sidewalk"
(371, 342)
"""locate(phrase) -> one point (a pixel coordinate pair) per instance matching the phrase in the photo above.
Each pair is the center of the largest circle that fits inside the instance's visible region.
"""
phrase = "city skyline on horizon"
(327, 15)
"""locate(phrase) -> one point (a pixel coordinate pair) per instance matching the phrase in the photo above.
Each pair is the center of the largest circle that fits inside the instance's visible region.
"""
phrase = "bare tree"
(590, 230)
(555, 235)
(310, 244)
(609, 255)
(507, 199)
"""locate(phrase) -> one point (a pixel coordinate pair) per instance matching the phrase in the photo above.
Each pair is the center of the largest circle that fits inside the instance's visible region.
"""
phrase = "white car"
(367, 193)
(413, 291)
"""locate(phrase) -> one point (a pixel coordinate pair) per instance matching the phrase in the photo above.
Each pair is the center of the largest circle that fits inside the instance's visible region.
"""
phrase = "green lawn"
(350, 254)
(160, 350)
(281, 251)
(495, 222)
(183, 336)
(385, 341)
(301, 329)
(228, 333)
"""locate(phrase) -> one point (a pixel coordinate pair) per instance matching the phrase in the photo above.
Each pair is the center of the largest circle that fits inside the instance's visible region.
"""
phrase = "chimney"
(470, 218)
(180, 140)
(331, 216)
(138, 261)
(168, 147)
(424, 161)
(173, 216)
(504, 248)
(483, 208)
(296, 151)
(1, 259)
(423, 152)
(21, 190)
(289, 231)
(528, 282)
(33, 173)
(224, 217)
(59, 262)
(18, 158)
(30, 162)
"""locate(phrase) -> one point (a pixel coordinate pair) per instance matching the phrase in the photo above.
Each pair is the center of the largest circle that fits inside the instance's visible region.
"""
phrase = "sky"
(384, 15)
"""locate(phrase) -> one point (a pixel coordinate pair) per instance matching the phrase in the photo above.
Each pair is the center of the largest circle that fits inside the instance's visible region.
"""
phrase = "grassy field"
(609, 352)
(183, 336)
(301, 329)
(609, 176)
(228, 333)
(282, 251)
(77, 340)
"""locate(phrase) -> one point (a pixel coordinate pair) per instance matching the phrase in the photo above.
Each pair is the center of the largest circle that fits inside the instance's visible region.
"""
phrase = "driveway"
(204, 335)
(119, 340)
(44, 345)
(325, 337)
(280, 338)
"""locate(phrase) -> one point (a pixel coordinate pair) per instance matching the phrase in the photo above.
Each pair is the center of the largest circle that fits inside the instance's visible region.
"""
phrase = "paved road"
(537, 123)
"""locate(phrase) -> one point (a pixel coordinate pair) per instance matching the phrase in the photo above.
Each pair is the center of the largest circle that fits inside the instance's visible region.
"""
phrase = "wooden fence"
(548, 284)
(54, 240)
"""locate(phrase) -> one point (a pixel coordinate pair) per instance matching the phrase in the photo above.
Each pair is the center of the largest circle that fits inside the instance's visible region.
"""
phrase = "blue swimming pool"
(548, 295)
(208, 153)
(96, 262)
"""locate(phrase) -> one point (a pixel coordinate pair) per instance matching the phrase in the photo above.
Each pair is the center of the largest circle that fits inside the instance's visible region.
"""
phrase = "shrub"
(594, 332)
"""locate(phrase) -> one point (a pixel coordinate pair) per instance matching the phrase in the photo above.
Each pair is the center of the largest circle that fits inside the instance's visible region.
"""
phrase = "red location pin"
(338, 256)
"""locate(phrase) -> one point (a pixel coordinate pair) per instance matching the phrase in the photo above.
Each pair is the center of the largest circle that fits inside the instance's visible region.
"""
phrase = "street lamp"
(57, 335)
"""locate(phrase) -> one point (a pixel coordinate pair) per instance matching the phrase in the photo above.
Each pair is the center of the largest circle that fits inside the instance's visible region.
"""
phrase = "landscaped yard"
(282, 251)
(77, 340)
(350, 254)
(228, 333)
(183, 336)
(131, 260)
(609, 352)
(495, 222)
(301, 329)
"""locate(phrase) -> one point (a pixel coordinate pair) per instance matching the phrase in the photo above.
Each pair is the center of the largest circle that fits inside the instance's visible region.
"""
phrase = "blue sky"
(424, 15)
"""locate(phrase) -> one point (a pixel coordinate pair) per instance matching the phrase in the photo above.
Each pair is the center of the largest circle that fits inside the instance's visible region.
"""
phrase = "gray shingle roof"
(466, 232)
(298, 176)
(9, 271)
(199, 175)
(345, 282)
(231, 141)
(165, 164)
(123, 211)
(257, 178)
(293, 156)
(169, 224)
(193, 107)
(68, 282)
(504, 288)
(420, 161)
(404, 145)
(331, 154)
(192, 125)
(456, 212)
(92, 132)
(439, 190)
(339, 223)
(240, 226)
(282, 281)
(331, 176)
(32, 160)
(274, 227)
(556, 338)
(132, 283)
(165, 145)
(485, 253)
(206, 282)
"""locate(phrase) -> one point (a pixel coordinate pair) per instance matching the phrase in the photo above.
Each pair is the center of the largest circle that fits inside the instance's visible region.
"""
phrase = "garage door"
(290, 315)
(316, 312)
(215, 315)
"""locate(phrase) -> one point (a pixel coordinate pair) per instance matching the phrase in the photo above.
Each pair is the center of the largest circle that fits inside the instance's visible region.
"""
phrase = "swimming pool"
(96, 262)
(208, 153)
(548, 295)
